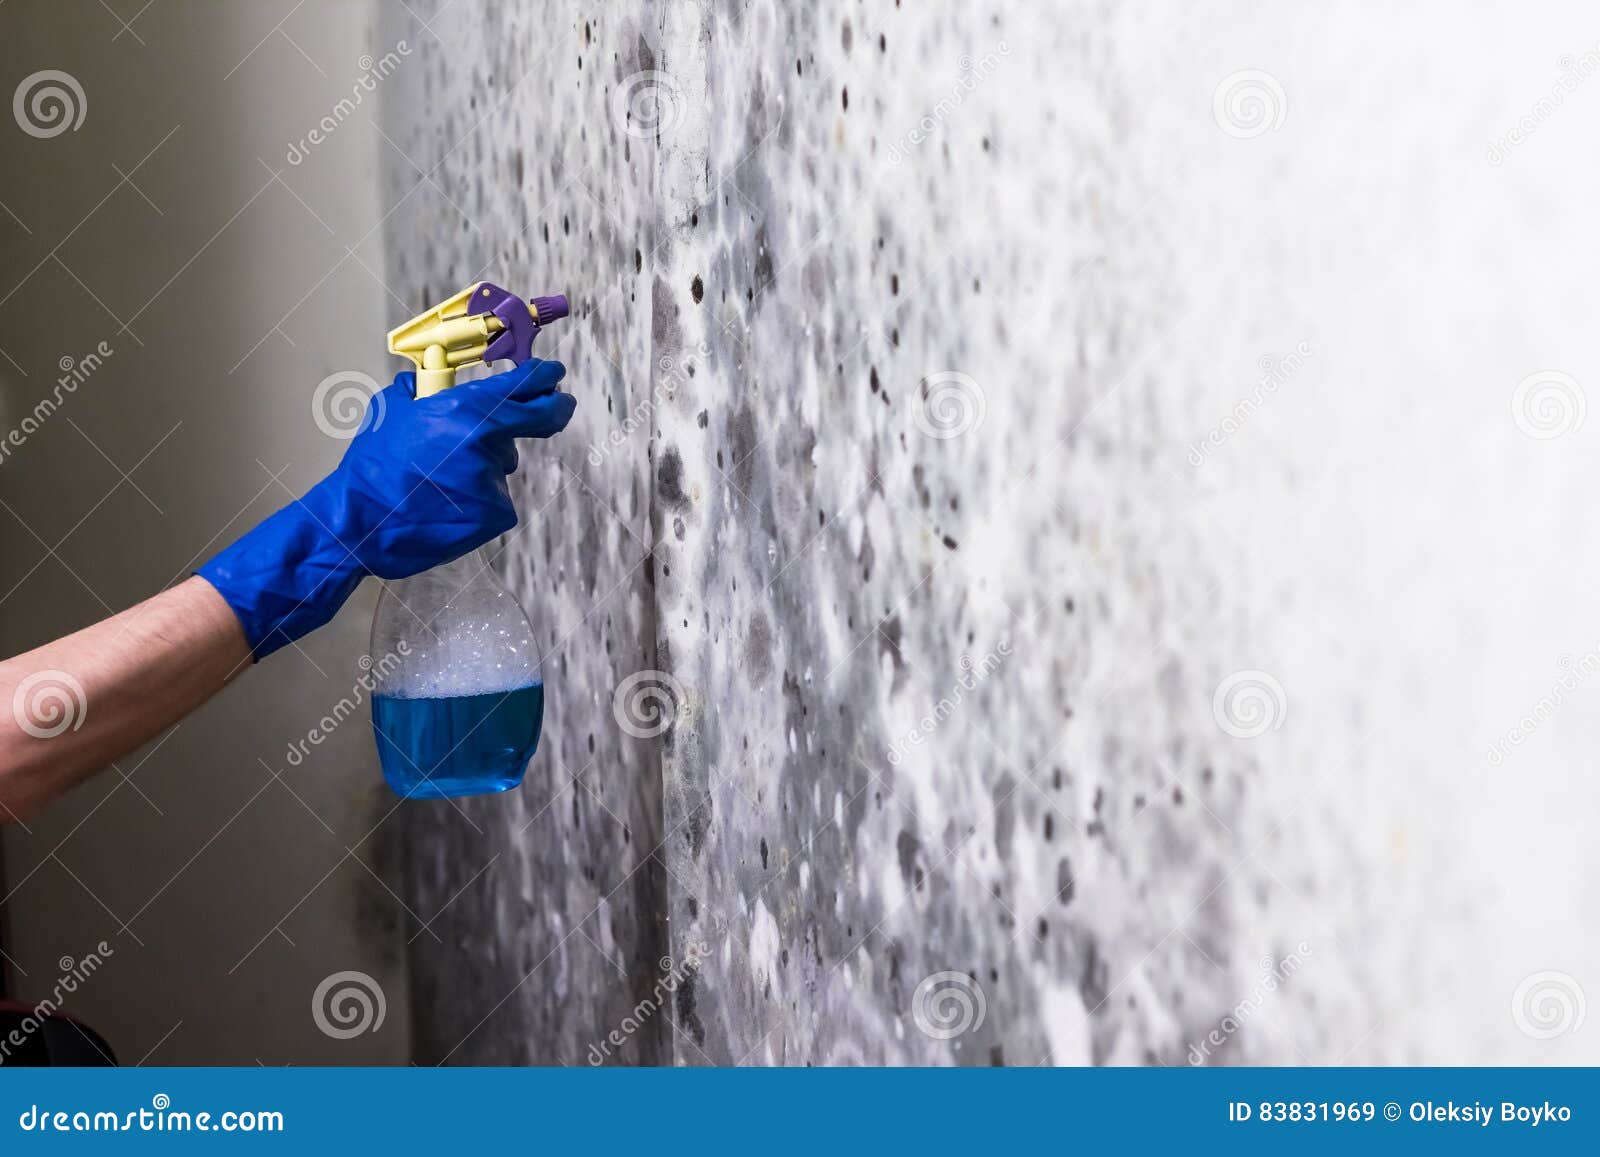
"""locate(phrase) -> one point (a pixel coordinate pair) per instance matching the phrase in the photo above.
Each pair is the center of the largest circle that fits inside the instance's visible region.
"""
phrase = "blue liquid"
(467, 745)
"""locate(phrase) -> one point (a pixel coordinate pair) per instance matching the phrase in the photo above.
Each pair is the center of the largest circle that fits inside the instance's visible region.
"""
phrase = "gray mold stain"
(809, 565)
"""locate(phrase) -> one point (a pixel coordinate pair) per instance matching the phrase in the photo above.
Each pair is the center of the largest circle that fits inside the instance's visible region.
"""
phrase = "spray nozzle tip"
(548, 309)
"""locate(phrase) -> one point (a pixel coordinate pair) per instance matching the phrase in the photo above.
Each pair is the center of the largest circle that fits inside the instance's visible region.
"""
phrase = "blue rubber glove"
(423, 482)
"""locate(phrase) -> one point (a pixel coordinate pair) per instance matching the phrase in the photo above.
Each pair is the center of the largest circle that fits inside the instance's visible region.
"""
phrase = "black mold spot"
(669, 479)
(697, 289)
(1066, 887)
(699, 825)
(764, 271)
(908, 846)
(687, 1015)
(763, 854)
(889, 634)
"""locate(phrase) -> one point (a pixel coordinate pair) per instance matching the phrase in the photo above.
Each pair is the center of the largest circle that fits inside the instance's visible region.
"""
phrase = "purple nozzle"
(515, 342)
(550, 308)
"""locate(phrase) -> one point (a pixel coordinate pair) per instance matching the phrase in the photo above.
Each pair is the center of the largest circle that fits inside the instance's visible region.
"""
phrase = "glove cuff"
(291, 573)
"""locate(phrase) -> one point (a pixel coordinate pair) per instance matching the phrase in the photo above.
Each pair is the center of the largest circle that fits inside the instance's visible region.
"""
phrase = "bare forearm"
(84, 700)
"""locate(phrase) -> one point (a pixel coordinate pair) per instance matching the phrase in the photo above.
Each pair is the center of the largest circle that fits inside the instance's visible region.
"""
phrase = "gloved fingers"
(541, 418)
(405, 384)
(520, 383)
(505, 455)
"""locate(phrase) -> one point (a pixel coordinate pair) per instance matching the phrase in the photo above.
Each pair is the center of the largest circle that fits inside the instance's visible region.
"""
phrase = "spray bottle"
(459, 699)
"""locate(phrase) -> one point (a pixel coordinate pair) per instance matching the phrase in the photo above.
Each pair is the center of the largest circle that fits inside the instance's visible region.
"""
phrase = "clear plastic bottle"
(459, 701)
